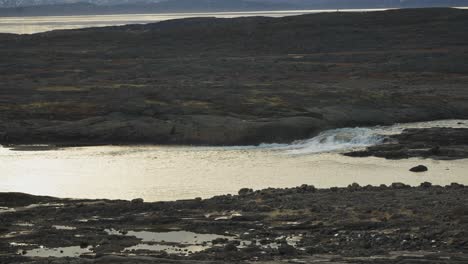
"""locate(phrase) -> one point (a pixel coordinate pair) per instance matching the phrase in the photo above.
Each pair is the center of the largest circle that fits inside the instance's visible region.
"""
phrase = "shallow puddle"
(24, 224)
(31, 206)
(180, 237)
(274, 243)
(62, 227)
(6, 210)
(43, 252)
(15, 244)
(185, 243)
(172, 242)
(170, 249)
(16, 234)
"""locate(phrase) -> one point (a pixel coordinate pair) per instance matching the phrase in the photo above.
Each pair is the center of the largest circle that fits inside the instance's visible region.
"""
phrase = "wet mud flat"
(357, 224)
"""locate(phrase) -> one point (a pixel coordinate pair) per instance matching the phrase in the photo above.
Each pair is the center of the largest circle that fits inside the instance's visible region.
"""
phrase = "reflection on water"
(29, 25)
(185, 243)
(169, 249)
(6, 210)
(179, 237)
(174, 242)
(62, 227)
(170, 172)
(44, 252)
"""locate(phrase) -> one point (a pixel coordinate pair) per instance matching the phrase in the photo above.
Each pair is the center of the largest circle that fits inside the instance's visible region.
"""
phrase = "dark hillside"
(234, 81)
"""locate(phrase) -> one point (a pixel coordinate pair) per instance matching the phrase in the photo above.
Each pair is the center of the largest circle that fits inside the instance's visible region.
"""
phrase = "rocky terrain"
(233, 81)
(434, 143)
(385, 224)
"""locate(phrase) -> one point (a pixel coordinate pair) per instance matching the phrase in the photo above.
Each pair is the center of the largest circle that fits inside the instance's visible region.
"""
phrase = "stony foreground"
(394, 224)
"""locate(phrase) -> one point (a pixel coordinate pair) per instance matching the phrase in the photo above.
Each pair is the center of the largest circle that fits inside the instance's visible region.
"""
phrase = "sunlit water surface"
(36, 24)
(180, 172)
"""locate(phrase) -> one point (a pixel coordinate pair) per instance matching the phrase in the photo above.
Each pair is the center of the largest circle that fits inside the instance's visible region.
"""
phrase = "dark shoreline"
(369, 221)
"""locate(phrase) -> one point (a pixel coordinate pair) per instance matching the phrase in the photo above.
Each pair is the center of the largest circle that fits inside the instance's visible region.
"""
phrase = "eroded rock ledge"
(435, 143)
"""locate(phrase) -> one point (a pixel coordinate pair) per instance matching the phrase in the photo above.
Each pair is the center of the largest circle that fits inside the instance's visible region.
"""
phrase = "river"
(157, 173)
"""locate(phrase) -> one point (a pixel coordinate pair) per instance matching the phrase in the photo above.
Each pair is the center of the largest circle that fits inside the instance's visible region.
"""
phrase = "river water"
(30, 25)
(179, 172)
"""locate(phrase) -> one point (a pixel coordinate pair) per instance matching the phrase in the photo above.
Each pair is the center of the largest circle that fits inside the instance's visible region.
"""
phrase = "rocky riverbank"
(233, 81)
(384, 224)
(435, 143)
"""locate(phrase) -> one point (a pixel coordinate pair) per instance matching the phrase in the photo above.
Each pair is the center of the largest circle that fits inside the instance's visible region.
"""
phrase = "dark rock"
(84, 244)
(436, 143)
(426, 185)
(264, 208)
(245, 191)
(230, 247)
(137, 201)
(354, 186)
(435, 150)
(287, 250)
(419, 168)
(399, 185)
(219, 241)
(456, 185)
(307, 188)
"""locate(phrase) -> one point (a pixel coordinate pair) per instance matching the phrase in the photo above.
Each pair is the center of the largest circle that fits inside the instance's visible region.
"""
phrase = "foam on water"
(335, 140)
(345, 139)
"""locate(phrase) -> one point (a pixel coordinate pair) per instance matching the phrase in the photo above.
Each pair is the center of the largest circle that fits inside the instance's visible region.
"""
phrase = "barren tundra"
(233, 81)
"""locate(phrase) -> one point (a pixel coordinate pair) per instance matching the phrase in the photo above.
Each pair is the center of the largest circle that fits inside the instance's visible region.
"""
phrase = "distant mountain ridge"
(83, 7)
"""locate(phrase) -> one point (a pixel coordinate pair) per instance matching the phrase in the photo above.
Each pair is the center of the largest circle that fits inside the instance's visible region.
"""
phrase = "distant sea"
(31, 25)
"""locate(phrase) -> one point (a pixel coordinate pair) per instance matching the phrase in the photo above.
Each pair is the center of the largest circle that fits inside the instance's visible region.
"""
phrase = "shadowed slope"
(234, 81)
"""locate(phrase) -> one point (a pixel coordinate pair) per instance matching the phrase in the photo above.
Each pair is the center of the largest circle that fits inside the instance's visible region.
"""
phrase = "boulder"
(426, 185)
(137, 201)
(285, 249)
(245, 191)
(307, 188)
(399, 185)
(230, 247)
(419, 168)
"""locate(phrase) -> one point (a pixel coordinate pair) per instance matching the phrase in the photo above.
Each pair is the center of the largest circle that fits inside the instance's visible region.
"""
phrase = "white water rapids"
(343, 139)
